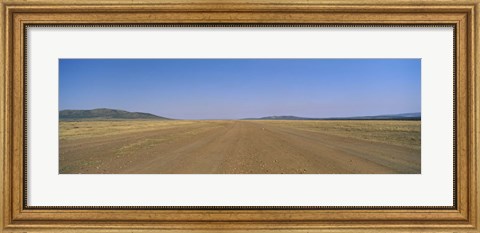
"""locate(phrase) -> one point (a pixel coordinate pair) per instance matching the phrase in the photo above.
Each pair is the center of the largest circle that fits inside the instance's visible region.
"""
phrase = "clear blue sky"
(241, 88)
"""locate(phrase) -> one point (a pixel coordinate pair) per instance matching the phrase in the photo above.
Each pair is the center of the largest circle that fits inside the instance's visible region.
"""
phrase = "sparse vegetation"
(87, 129)
(402, 133)
(239, 147)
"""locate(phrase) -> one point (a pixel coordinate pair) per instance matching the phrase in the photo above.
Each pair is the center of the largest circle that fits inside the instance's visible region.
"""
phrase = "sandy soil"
(233, 147)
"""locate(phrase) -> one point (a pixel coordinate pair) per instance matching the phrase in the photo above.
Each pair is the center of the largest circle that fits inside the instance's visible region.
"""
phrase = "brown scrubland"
(240, 147)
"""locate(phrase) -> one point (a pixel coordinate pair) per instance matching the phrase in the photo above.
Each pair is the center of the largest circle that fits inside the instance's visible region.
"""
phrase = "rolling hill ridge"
(107, 114)
(403, 116)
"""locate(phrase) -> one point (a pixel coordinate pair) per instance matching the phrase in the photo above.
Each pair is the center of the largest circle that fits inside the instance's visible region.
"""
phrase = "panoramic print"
(239, 116)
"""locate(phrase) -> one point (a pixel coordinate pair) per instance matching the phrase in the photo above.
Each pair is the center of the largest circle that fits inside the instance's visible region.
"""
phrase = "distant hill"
(107, 114)
(278, 118)
(403, 116)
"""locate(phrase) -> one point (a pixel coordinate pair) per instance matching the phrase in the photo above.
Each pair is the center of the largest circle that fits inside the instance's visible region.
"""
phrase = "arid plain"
(240, 147)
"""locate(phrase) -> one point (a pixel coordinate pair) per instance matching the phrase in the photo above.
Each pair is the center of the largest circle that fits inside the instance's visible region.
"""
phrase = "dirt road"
(233, 147)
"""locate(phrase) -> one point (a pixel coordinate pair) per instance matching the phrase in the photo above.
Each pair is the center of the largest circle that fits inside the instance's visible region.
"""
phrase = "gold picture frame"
(464, 15)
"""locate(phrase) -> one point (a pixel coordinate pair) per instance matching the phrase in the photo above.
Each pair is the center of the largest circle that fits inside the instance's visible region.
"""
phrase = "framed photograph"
(298, 116)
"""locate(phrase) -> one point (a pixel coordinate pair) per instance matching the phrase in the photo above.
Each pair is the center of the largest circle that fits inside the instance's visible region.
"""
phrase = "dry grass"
(222, 146)
(83, 129)
(402, 133)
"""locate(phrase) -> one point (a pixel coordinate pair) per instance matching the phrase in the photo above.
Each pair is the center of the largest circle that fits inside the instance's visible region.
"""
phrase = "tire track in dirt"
(348, 155)
(236, 147)
(100, 154)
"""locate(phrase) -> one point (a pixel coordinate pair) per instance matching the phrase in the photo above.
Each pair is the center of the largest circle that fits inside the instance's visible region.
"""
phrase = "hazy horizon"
(245, 117)
(242, 88)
